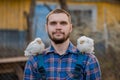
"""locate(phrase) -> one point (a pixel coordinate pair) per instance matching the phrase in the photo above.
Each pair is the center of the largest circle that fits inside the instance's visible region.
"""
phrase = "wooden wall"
(112, 11)
(12, 14)
(12, 17)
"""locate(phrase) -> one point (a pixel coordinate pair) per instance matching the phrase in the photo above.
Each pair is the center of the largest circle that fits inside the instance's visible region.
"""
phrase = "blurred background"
(21, 21)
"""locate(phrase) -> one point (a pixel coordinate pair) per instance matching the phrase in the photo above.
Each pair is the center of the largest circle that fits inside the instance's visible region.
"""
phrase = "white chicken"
(35, 47)
(85, 44)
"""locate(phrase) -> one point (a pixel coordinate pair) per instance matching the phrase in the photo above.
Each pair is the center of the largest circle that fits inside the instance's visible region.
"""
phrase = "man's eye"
(63, 23)
(53, 23)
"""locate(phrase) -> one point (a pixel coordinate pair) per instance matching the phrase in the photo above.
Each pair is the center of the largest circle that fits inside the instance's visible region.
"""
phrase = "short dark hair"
(58, 11)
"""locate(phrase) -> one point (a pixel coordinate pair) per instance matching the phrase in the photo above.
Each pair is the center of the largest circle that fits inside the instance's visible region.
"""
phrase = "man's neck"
(61, 48)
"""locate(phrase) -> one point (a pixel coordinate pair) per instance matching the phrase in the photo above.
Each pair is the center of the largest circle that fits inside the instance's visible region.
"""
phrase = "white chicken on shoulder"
(85, 44)
(35, 47)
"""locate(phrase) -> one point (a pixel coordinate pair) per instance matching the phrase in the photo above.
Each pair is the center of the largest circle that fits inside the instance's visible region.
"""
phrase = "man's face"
(58, 27)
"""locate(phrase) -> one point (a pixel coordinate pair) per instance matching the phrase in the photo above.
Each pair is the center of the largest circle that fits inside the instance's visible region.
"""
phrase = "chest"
(60, 66)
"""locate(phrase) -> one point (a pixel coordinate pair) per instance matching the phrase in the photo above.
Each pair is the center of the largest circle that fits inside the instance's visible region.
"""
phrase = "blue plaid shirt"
(60, 67)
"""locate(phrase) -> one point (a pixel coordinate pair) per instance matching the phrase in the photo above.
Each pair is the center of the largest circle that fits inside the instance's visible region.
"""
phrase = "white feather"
(85, 44)
(35, 47)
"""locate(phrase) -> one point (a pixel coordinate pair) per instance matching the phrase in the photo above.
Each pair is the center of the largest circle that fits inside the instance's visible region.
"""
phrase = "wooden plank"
(19, 72)
(15, 68)
(13, 59)
(3, 71)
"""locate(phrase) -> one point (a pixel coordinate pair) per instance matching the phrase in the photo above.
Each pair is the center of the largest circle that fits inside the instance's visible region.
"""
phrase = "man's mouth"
(58, 33)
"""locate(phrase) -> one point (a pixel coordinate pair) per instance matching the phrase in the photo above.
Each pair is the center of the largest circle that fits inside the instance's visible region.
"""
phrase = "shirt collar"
(71, 49)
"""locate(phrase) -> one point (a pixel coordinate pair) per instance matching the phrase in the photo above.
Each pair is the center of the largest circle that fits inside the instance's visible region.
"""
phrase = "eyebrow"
(53, 22)
(61, 22)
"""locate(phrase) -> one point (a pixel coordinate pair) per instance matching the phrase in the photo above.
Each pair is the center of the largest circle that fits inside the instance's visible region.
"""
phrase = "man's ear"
(70, 27)
(46, 28)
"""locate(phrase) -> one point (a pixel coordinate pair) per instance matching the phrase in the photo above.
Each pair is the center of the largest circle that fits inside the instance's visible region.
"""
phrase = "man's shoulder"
(33, 58)
(90, 55)
(91, 58)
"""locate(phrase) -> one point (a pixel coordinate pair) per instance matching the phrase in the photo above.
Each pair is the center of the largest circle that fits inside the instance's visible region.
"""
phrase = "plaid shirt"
(60, 67)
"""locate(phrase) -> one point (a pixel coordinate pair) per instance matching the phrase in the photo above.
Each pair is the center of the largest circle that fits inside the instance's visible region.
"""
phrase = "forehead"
(58, 17)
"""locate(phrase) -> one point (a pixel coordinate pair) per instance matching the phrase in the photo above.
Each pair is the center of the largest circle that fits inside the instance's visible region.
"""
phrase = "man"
(61, 57)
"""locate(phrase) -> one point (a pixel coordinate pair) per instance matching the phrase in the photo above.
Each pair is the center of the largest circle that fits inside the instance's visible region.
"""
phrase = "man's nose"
(58, 26)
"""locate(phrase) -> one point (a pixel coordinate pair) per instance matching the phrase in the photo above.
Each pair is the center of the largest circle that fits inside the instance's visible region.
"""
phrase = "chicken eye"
(39, 42)
(81, 42)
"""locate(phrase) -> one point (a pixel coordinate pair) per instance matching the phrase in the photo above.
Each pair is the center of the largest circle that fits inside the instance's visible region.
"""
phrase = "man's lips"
(58, 33)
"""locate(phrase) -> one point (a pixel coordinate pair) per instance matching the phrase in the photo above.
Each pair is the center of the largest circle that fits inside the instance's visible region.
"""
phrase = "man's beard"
(58, 41)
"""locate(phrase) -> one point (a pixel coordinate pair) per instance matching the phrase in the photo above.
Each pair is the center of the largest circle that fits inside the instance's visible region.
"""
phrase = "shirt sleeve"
(93, 71)
(30, 72)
